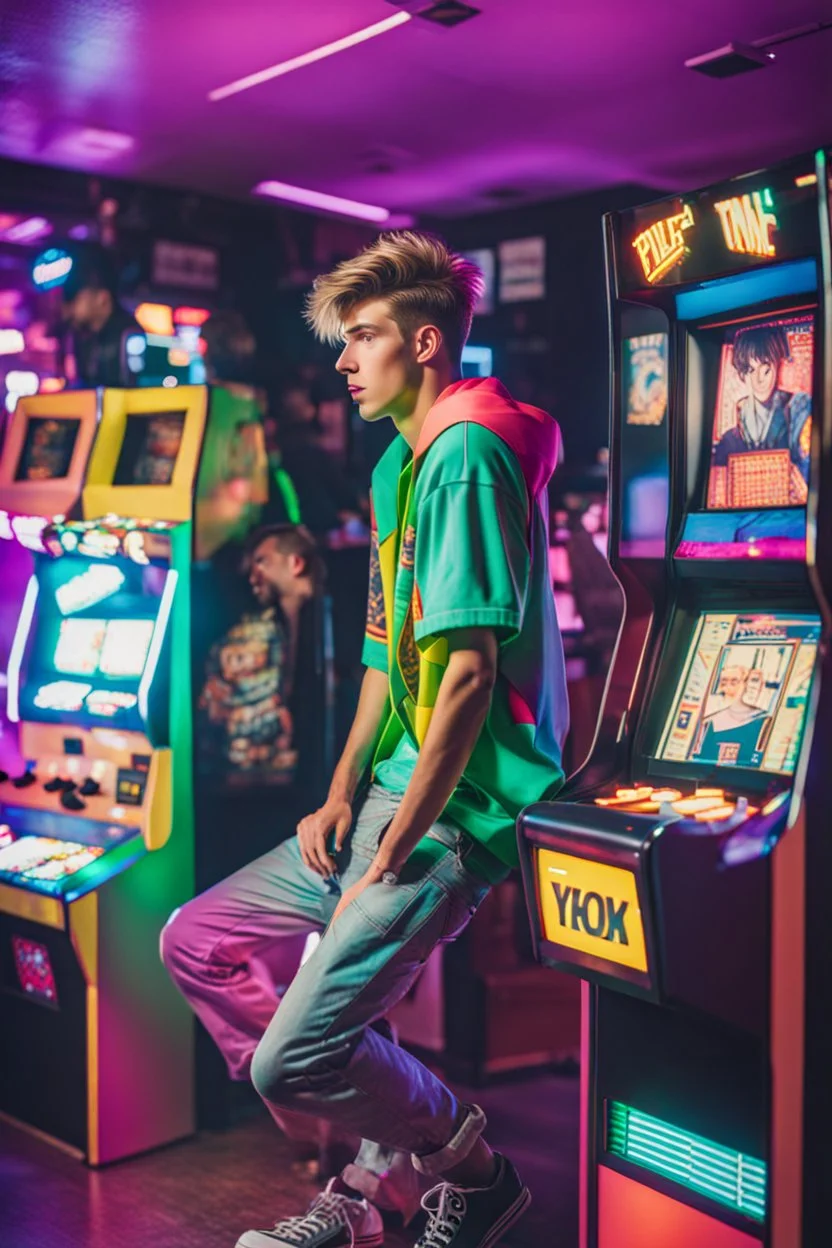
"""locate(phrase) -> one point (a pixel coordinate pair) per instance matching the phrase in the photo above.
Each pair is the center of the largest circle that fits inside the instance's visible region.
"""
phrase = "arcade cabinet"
(43, 464)
(97, 842)
(683, 872)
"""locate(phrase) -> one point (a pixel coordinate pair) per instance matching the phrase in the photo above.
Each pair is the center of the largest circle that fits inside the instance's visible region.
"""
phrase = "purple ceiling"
(545, 97)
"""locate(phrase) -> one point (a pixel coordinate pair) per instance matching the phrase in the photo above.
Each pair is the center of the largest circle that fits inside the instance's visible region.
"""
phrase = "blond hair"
(423, 281)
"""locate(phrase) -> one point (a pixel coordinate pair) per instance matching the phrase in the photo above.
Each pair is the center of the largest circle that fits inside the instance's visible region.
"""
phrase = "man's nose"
(344, 364)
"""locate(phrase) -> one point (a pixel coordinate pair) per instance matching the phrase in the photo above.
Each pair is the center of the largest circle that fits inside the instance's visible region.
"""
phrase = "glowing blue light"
(477, 361)
(51, 268)
(136, 344)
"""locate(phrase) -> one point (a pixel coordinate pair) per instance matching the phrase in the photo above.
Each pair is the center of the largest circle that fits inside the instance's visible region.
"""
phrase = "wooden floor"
(203, 1192)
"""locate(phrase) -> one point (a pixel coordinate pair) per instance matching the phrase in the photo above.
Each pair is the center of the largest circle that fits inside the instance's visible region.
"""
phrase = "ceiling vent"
(442, 12)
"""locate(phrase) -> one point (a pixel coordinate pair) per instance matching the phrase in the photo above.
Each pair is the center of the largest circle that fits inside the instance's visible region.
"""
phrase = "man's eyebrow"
(356, 329)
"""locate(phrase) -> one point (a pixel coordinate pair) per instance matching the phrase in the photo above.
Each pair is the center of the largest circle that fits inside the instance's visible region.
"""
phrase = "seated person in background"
(98, 323)
(230, 348)
(245, 731)
(768, 417)
(326, 497)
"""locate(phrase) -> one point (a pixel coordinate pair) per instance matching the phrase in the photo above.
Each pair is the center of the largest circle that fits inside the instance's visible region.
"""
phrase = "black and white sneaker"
(474, 1217)
(333, 1220)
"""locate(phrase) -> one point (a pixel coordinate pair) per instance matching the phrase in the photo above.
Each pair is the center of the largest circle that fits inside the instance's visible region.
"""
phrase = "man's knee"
(177, 944)
(273, 1071)
(293, 1067)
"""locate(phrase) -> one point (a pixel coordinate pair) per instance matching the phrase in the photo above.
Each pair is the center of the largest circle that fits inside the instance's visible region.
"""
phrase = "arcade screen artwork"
(645, 370)
(116, 648)
(744, 691)
(124, 652)
(763, 419)
(150, 448)
(47, 449)
(78, 651)
(644, 446)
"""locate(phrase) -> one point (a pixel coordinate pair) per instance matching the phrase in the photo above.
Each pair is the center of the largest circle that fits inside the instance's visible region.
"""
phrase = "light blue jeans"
(229, 949)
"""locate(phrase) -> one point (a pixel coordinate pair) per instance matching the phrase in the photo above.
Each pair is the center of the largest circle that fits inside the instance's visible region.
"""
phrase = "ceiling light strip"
(308, 58)
(327, 203)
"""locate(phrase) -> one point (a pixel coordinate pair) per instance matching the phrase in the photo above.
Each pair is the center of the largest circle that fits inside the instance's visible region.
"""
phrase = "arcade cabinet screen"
(125, 648)
(47, 449)
(78, 651)
(763, 420)
(744, 691)
(116, 648)
(150, 447)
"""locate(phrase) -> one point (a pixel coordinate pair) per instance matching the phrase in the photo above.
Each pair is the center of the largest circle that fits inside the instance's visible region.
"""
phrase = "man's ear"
(428, 343)
(297, 564)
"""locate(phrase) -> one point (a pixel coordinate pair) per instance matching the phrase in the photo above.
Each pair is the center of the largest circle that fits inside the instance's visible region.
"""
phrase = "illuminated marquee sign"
(747, 223)
(662, 245)
(591, 907)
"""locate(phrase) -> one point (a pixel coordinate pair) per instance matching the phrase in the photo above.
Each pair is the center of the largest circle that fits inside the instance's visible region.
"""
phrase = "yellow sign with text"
(591, 907)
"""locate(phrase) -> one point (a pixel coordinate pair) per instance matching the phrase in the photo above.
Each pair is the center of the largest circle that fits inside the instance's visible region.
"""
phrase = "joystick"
(23, 782)
(4, 775)
(70, 801)
(90, 787)
(55, 785)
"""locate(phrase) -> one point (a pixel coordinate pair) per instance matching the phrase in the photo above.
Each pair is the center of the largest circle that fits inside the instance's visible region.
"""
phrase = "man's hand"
(371, 876)
(313, 834)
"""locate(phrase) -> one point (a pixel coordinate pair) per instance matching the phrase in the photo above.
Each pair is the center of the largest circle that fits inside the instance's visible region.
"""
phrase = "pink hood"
(532, 434)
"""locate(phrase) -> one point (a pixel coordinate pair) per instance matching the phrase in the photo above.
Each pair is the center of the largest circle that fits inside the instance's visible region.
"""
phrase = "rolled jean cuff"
(457, 1148)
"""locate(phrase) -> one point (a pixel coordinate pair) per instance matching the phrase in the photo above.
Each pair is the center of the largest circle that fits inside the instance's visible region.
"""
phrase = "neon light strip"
(317, 199)
(156, 640)
(309, 58)
(724, 1175)
(21, 636)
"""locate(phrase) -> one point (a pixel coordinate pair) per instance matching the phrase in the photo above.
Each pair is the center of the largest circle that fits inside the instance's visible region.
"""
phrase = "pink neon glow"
(760, 548)
(317, 199)
(308, 58)
(29, 230)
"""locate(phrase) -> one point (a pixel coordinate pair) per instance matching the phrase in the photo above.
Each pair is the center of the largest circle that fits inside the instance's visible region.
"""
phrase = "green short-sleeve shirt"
(470, 551)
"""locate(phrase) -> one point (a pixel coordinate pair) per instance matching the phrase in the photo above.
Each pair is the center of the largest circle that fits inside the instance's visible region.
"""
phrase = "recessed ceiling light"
(317, 199)
(308, 58)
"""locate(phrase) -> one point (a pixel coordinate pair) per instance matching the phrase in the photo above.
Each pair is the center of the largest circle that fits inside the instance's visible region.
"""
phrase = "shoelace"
(446, 1213)
(327, 1210)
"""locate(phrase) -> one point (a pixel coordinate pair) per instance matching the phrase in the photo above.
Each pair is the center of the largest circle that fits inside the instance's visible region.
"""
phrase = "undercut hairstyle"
(291, 539)
(767, 343)
(422, 280)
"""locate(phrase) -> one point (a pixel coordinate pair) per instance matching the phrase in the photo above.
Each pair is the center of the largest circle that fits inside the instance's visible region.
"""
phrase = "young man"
(460, 723)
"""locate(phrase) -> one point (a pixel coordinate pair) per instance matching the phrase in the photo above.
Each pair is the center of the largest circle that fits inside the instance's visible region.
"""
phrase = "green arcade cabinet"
(684, 872)
(97, 839)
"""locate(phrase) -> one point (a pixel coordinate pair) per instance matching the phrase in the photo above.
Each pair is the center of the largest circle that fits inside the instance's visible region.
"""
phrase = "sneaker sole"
(262, 1239)
(513, 1214)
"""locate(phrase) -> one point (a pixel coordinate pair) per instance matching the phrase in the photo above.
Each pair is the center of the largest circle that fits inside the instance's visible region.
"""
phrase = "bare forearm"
(370, 716)
(458, 716)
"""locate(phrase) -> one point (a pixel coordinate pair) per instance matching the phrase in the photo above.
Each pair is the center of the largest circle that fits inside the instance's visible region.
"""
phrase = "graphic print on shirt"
(376, 616)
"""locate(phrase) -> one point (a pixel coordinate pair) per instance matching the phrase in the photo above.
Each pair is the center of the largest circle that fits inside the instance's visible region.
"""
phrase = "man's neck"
(410, 424)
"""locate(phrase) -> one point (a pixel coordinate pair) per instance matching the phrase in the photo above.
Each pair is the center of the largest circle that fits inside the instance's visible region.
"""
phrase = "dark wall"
(554, 352)
(266, 252)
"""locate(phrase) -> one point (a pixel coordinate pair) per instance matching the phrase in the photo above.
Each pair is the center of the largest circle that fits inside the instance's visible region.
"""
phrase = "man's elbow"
(473, 675)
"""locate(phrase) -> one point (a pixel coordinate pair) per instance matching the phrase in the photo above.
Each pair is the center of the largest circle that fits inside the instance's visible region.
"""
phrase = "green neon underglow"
(732, 1179)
